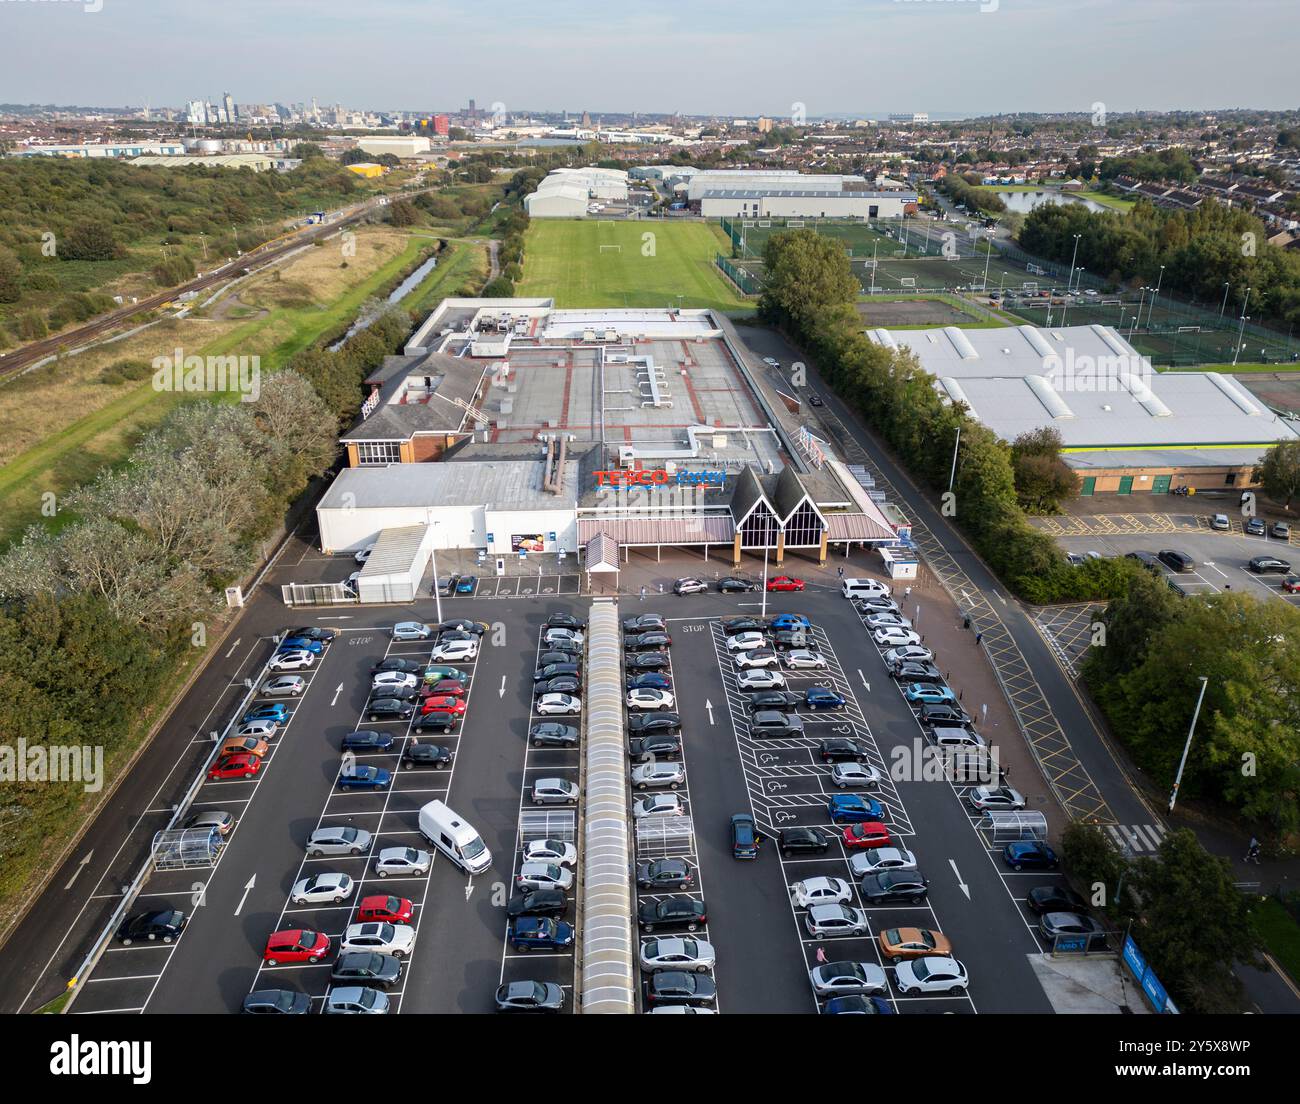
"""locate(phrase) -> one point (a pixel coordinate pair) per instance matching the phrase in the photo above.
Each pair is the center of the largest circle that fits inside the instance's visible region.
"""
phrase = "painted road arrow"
(80, 867)
(960, 884)
(247, 887)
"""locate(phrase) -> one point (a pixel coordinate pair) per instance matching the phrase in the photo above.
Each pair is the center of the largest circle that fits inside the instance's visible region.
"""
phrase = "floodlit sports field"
(599, 263)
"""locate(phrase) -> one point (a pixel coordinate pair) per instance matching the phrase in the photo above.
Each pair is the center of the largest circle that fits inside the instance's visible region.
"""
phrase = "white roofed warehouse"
(567, 193)
(1125, 428)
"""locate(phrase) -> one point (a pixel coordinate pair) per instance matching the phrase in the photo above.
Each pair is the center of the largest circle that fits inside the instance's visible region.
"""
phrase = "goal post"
(611, 248)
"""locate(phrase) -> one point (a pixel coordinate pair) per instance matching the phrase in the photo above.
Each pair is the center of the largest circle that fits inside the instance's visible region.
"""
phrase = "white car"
(820, 891)
(932, 974)
(393, 939)
(771, 362)
(746, 641)
(757, 659)
(543, 875)
(411, 630)
(803, 657)
(364, 554)
(557, 704)
(887, 620)
(284, 686)
(670, 952)
(550, 851)
(563, 635)
(996, 797)
(402, 862)
(668, 804)
(830, 921)
(848, 979)
(322, 888)
(911, 653)
(760, 680)
(649, 699)
(856, 776)
(895, 637)
(658, 775)
(876, 860)
(455, 650)
(296, 659)
(864, 588)
(393, 680)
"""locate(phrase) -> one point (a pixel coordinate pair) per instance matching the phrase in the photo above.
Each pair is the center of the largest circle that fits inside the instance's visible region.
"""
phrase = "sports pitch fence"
(894, 256)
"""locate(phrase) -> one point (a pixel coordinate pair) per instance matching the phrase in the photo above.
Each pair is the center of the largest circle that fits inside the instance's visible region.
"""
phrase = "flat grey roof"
(501, 485)
(792, 193)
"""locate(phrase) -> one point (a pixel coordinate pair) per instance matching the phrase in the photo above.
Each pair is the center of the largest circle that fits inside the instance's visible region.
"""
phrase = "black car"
(530, 996)
(553, 734)
(770, 722)
(401, 693)
(437, 721)
(539, 902)
(1146, 559)
(552, 670)
(802, 841)
(736, 585)
(566, 648)
(553, 656)
(1269, 565)
(894, 885)
(160, 925)
(562, 684)
(678, 911)
(814, 399)
(276, 1002)
(367, 740)
(446, 586)
(733, 625)
(644, 748)
(367, 968)
(652, 724)
(425, 755)
(646, 661)
(389, 709)
(917, 672)
(645, 622)
(651, 680)
(843, 749)
(446, 636)
(565, 621)
(665, 874)
(940, 713)
(679, 987)
(786, 639)
(312, 632)
(775, 699)
(396, 663)
(1054, 898)
(462, 624)
(646, 641)
(1175, 560)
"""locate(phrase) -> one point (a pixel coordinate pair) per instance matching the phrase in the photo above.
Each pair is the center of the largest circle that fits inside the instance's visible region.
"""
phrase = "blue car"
(822, 697)
(367, 740)
(788, 622)
(300, 644)
(277, 713)
(365, 778)
(465, 584)
(858, 1006)
(651, 680)
(853, 809)
(926, 694)
(1029, 855)
(543, 932)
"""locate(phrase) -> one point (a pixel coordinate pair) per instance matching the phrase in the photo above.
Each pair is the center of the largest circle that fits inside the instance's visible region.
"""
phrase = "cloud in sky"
(864, 57)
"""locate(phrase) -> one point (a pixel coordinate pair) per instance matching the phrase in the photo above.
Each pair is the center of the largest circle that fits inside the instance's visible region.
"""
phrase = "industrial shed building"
(565, 193)
(800, 203)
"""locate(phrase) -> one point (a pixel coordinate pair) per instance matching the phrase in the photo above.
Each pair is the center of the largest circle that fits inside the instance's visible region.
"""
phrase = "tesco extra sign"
(645, 477)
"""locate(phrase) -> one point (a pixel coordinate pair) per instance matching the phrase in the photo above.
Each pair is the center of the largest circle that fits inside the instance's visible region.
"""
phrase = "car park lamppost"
(1173, 797)
(437, 596)
(1241, 330)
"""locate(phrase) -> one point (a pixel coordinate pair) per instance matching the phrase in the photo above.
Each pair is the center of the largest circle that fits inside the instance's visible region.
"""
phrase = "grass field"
(590, 263)
(1281, 934)
(1115, 203)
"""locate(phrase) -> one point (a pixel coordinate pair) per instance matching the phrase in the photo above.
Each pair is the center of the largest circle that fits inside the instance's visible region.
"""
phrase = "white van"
(863, 588)
(454, 837)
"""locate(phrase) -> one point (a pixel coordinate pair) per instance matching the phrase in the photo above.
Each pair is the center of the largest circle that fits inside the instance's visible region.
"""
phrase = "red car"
(242, 765)
(454, 687)
(784, 582)
(445, 704)
(1291, 584)
(871, 833)
(385, 910)
(296, 945)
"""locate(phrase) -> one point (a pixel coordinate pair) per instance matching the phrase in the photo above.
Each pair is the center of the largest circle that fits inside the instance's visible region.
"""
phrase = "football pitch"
(642, 263)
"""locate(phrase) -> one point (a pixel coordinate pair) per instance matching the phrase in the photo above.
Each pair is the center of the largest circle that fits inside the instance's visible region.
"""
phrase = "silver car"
(411, 630)
(356, 1000)
(847, 978)
(555, 791)
(658, 776)
(825, 921)
(402, 861)
(668, 804)
(542, 875)
(284, 686)
(668, 952)
(857, 776)
(338, 841)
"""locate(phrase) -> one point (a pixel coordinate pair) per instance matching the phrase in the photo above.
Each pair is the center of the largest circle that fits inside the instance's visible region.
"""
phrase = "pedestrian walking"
(979, 638)
(841, 572)
(907, 592)
(1252, 851)
(643, 594)
(966, 622)
(821, 954)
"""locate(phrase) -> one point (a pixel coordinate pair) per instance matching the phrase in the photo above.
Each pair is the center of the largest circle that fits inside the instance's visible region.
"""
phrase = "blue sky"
(865, 57)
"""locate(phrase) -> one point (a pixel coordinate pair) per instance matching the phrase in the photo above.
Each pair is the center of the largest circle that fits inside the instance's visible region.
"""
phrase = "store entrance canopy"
(601, 553)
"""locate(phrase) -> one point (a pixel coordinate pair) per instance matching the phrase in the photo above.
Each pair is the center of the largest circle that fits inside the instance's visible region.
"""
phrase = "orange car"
(897, 944)
(244, 745)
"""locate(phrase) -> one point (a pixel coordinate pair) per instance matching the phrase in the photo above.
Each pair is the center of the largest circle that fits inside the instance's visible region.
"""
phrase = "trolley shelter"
(1008, 826)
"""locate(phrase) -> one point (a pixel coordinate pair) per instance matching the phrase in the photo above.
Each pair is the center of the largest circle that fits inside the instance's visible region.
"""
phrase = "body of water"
(398, 293)
(1024, 202)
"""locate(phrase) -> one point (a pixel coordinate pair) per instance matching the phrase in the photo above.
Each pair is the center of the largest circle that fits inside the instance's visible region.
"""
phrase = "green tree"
(89, 241)
(1279, 472)
(805, 273)
(11, 273)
